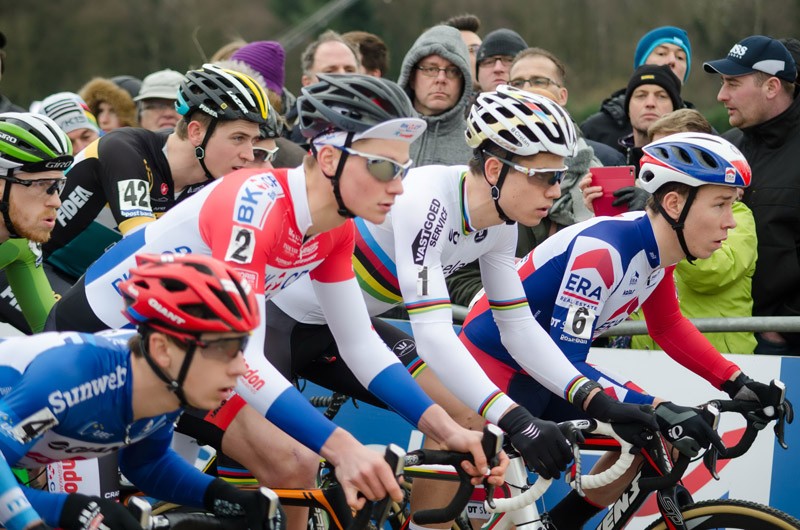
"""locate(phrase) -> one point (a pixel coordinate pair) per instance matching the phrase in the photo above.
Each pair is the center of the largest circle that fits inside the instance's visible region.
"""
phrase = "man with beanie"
(5, 104)
(494, 58)
(73, 116)
(666, 45)
(156, 100)
(268, 58)
(435, 74)
(652, 91)
(758, 91)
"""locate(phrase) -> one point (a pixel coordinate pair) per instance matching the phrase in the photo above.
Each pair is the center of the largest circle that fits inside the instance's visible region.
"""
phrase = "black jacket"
(609, 124)
(772, 150)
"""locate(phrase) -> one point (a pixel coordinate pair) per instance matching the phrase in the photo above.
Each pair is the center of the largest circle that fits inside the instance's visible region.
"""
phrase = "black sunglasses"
(40, 186)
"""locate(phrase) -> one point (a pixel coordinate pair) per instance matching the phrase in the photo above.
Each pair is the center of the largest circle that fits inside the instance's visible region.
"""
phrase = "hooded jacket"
(443, 141)
(100, 89)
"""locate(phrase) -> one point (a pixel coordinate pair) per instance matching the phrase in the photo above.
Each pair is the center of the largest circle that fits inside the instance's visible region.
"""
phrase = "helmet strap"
(5, 206)
(495, 188)
(343, 210)
(200, 150)
(173, 385)
(678, 225)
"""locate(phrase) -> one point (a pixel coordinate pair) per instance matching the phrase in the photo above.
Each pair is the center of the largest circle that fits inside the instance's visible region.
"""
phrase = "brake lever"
(492, 443)
(395, 457)
(710, 459)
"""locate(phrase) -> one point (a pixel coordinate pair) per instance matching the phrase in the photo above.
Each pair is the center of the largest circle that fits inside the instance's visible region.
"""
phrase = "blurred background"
(60, 44)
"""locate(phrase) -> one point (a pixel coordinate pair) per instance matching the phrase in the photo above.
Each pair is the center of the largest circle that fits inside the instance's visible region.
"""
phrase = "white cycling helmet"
(694, 159)
(520, 122)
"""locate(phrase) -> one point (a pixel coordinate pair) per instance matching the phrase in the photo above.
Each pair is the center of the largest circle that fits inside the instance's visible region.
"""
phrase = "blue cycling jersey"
(69, 396)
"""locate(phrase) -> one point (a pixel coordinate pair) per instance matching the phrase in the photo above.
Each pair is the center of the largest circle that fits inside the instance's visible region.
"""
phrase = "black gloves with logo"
(634, 197)
(746, 389)
(227, 501)
(541, 443)
(687, 429)
(605, 408)
(82, 512)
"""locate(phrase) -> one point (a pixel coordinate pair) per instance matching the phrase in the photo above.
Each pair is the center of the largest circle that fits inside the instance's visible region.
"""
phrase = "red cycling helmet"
(188, 295)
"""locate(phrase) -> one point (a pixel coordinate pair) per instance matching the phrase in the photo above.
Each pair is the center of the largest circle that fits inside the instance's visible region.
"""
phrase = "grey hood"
(448, 127)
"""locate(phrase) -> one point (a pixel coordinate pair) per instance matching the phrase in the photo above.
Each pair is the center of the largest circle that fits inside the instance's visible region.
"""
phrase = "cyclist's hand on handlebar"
(772, 397)
(360, 469)
(227, 501)
(541, 443)
(605, 408)
(687, 429)
(82, 512)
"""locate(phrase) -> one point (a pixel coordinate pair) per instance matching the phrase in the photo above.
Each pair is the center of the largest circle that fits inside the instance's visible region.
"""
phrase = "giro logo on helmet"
(165, 312)
(8, 138)
(57, 164)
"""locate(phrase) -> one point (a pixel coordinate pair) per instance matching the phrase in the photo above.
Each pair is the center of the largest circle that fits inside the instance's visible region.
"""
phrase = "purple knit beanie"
(266, 57)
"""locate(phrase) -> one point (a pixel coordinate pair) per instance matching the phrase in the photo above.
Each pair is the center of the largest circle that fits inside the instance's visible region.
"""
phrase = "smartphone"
(611, 178)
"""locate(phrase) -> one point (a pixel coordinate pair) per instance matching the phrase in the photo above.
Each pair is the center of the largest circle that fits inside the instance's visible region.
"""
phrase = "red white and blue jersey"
(591, 276)
(256, 221)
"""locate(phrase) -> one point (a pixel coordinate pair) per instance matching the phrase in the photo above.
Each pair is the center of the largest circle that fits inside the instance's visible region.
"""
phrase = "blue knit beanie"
(662, 35)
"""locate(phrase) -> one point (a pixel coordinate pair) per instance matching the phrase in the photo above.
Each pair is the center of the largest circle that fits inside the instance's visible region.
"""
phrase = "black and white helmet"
(521, 122)
(222, 94)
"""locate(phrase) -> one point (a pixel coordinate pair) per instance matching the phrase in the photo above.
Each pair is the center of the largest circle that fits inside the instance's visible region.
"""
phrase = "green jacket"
(22, 263)
(719, 286)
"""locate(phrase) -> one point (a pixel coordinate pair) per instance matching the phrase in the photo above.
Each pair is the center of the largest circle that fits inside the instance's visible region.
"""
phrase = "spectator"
(5, 103)
(758, 88)
(156, 100)
(435, 74)
(268, 58)
(652, 92)
(329, 54)
(495, 56)
(128, 83)
(721, 285)
(469, 25)
(539, 70)
(112, 106)
(73, 116)
(664, 45)
(373, 53)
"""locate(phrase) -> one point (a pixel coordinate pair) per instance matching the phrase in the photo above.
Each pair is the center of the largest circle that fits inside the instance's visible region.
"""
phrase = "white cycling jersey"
(427, 237)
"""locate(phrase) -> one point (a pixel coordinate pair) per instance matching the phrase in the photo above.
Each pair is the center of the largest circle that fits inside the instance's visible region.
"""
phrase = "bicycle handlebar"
(580, 481)
(492, 444)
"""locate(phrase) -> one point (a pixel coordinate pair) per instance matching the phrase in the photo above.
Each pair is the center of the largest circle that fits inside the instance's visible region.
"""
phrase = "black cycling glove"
(633, 196)
(227, 501)
(746, 389)
(605, 408)
(82, 512)
(541, 443)
(686, 429)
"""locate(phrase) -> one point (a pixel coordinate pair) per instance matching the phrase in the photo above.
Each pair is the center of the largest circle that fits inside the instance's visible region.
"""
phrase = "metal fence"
(705, 325)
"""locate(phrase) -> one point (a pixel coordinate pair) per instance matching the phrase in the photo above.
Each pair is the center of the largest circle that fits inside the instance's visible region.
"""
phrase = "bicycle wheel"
(732, 514)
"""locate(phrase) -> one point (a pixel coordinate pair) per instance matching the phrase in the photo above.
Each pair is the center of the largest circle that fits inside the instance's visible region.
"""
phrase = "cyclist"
(68, 394)
(141, 174)
(34, 153)
(591, 276)
(275, 226)
(448, 217)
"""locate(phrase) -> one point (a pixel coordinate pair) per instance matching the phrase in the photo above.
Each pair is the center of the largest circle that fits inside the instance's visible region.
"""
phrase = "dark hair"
(374, 53)
(477, 162)
(464, 22)
(679, 187)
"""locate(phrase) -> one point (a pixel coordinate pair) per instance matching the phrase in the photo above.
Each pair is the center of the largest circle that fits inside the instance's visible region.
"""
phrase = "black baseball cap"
(756, 53)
